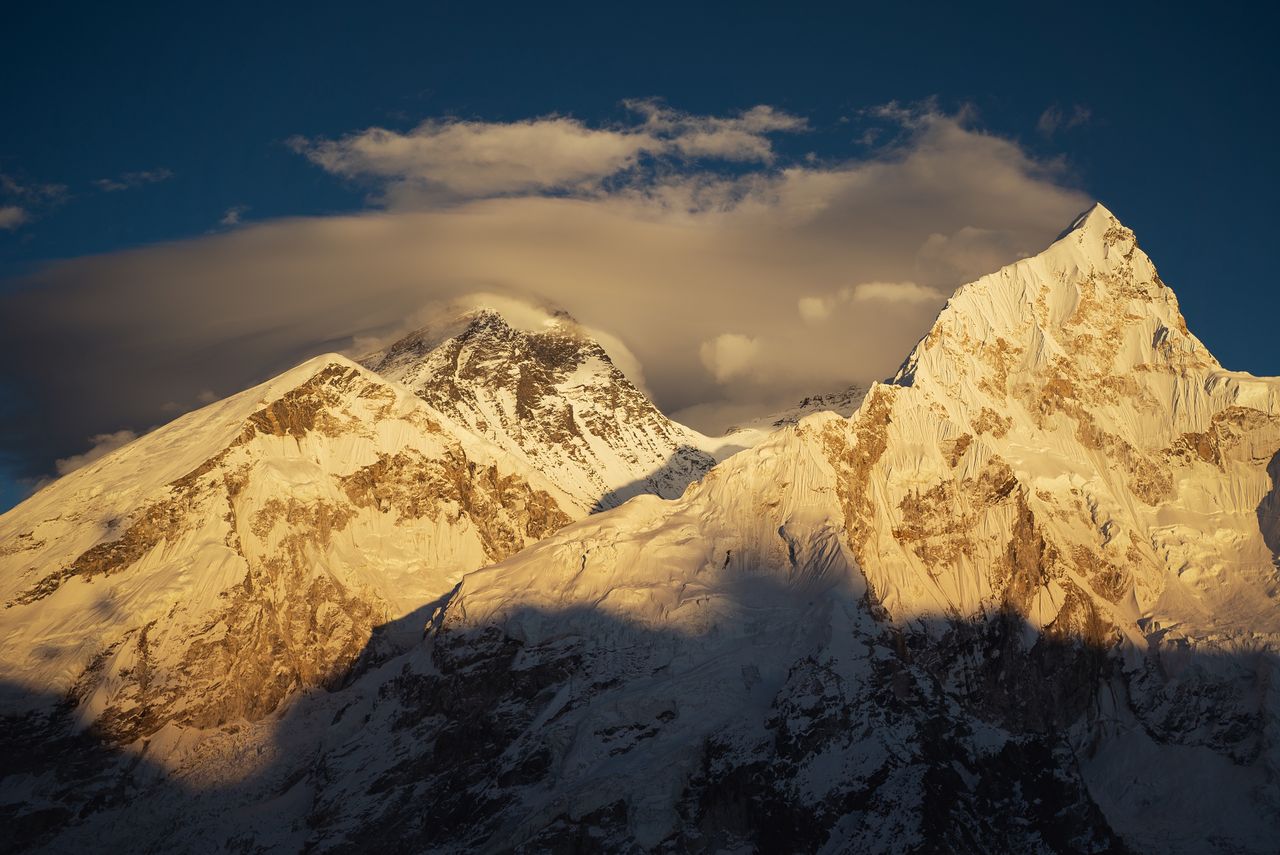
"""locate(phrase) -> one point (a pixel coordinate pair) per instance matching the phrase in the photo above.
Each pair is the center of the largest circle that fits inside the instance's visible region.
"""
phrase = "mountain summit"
(553, 399)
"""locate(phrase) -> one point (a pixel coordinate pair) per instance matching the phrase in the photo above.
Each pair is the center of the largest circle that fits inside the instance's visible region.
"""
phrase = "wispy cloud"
(130, 180)
(100, 445)
(35, 192)
(1055, 119)
(233, 215)
(21, 200)
(451, 160)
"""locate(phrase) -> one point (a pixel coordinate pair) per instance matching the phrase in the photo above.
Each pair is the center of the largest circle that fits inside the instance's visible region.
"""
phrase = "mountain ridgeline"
(476, 593)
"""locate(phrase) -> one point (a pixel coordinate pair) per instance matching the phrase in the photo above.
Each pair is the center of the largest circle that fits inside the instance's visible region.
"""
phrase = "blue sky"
(130, 127)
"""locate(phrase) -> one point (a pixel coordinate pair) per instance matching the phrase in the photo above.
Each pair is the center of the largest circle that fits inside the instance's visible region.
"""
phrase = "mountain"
(1024, 598)
(554, 400)
(245, 552)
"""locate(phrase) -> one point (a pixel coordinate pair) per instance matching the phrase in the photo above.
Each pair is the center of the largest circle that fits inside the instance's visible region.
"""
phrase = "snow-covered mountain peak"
(1091, 304)
(1073, 373)
(551, 396)
(1097, 217)
(244, 552)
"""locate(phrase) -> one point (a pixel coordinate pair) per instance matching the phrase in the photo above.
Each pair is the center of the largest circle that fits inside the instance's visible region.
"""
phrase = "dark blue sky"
(1180, 142)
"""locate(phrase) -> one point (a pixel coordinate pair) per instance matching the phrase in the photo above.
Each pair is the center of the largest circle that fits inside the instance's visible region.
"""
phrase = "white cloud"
(476, 159)
(12, 216)
(815, 310)
(895, 292)
(130, 180)
(448, 160)
(667, 265)
(729, 355)
(101, 445)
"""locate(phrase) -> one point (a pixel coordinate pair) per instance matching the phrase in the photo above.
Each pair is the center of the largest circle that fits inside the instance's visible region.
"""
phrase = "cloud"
(440, 319)
(12, 216)
(130, 180)
(100, 446)
(743, 137)
(1053, 119)
(32, 191)
(21, 201)
(232, 215)
(665, 264)
(895, 292)
(818, 309)
(815, 309)
(450, 159)
(729, 355)
(476, 159)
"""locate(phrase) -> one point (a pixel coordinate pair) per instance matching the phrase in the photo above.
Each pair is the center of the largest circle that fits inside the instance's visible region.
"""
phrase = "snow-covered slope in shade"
(552, 398)
(210, 569)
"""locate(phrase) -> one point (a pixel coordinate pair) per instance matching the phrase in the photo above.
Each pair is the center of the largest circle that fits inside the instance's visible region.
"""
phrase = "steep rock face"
(553, 399)
(213, 568)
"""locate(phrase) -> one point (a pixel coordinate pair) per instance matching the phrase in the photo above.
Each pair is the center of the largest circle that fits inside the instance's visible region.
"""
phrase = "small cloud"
(204, 396)
(129, 180)
(742, 137)
(729, 355)
(233, 214)
(815, 310)
(21, 201)
(102, 445)
(1054, 119)
(895, 292)
(32, 192)
(12, 216)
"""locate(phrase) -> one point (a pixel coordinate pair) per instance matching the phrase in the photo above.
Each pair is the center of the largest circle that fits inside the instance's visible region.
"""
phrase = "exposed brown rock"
(854, 461)
(989, 421)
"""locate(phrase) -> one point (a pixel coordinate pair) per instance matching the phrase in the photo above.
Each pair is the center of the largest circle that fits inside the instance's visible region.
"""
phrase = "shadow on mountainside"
(557, 731)
(682, 468)
(1269, 510)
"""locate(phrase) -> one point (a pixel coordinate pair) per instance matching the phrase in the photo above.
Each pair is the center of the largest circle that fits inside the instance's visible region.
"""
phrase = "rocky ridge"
(553, 399)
